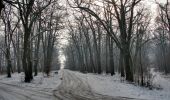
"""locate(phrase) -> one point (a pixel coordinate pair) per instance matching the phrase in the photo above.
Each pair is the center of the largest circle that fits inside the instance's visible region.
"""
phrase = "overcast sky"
(152, 4)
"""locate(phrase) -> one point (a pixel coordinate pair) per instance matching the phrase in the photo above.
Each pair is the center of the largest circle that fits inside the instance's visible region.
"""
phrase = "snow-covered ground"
(113, 86)
(74, 87)
(101, 84)
(40, 82)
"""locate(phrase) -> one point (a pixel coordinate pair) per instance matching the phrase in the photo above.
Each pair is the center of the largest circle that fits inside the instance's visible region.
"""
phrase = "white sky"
(152, 4)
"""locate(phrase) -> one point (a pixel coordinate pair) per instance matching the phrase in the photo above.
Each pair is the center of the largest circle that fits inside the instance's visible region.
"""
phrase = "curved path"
(73, 87)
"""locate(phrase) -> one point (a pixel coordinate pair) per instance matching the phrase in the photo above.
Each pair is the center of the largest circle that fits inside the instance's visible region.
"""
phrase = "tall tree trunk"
(111, 58)
(27, 64)
(36, 55)
(128, 64)
(121, 64)
(92, 65)
(107, 40)
(9, 66)
(98, 49)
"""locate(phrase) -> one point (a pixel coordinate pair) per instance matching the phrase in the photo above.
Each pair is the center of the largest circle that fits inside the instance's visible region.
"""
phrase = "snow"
(40, 82)
(115, 86)
(103, 84)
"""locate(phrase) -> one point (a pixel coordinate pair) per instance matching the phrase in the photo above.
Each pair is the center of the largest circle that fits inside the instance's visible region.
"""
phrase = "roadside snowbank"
(114, 86)
(40, 82)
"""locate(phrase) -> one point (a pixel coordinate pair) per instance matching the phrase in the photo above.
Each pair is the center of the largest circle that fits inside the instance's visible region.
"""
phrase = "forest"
(100, 36)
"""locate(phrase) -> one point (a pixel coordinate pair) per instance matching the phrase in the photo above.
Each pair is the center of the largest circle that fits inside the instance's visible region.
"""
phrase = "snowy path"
(74, 88)
(9, 92)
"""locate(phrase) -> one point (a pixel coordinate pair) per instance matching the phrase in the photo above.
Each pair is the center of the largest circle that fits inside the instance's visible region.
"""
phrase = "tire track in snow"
(8, 92)
(73, 87)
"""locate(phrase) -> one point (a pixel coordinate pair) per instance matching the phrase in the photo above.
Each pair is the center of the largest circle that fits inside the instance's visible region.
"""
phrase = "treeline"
(113, 36)
(103, 36)
(29, 31)
(162, 34)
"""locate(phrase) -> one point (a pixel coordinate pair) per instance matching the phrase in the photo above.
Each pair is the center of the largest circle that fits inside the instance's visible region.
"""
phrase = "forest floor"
(117, 87)
(40, 82)
(71, 85)
(41, 88)
(14, 92)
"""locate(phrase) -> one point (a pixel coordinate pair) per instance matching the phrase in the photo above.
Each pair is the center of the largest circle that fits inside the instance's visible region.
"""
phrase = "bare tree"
(9, 31)
(124, 14)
